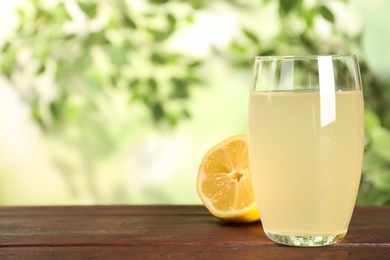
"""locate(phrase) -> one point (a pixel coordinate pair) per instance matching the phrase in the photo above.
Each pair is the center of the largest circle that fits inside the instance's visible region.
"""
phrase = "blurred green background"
(116, 102)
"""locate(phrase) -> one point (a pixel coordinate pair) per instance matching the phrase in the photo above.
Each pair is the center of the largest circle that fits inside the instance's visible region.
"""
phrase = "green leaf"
(160, 35)
(95, 38)
(21, 13)
(307, 42)
(309, 15)
(39, 13)
(190, 18)
(195, 64)
(158, 111)
(237, 48)
(72, 111)
(157, 58)
(376, 197)
(180, 88)
(152, 84)
(6, 47)
(42, 69)
(134, 83)
(171, 20)
(128, 46)
(381, 142)
(286, 6)
(371, 120)
(7, 66)
(193, 79)
(186, 113)
(172, 118)
(243, 64)
(326, 13)
(60, 13)
(123, 10)
(69, 37)
(381, 181)
(128, 20)
(116, 55)
(372, 161)
(88, 7)
(158, 1)
(267, 52)
(55, 109)
(114, 80)
(251, 36)
(197, 4)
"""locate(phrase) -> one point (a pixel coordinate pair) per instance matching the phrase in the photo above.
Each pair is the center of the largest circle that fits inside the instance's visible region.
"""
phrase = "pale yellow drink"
(305, 159)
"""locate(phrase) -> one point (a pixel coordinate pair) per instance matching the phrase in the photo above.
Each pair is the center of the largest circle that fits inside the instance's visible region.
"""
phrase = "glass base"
(305, 240)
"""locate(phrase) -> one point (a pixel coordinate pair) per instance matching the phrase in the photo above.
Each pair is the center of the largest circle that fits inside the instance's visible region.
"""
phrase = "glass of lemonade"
(306, 140)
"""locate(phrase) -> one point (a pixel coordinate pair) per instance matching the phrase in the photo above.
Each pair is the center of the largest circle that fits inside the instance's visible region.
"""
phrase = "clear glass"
(306, 140)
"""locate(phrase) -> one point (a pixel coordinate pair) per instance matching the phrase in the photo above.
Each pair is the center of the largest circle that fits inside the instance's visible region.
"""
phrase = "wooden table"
(176, 232)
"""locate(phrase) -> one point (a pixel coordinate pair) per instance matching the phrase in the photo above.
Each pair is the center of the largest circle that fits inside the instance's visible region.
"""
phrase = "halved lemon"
(224, 183)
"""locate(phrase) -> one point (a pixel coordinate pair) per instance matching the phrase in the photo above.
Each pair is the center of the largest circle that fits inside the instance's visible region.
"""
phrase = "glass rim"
(303, 57)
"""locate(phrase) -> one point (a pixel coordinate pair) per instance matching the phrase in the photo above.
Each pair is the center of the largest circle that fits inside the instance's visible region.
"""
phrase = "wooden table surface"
(176, 232)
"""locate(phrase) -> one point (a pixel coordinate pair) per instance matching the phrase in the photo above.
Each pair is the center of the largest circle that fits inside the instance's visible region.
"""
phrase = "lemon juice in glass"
(306, 141)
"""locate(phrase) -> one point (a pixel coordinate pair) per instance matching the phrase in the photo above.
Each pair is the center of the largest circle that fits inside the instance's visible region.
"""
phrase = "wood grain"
(176, 232)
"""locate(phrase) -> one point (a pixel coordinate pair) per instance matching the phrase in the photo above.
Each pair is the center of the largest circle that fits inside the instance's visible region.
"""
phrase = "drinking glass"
(306, 140)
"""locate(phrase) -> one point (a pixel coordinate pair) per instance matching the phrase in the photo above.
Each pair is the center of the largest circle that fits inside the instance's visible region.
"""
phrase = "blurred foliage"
(92, 71)
(93, 51)
(97, 45)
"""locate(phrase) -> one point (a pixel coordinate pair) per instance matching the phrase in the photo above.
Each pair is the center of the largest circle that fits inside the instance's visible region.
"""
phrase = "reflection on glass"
(327, 90)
